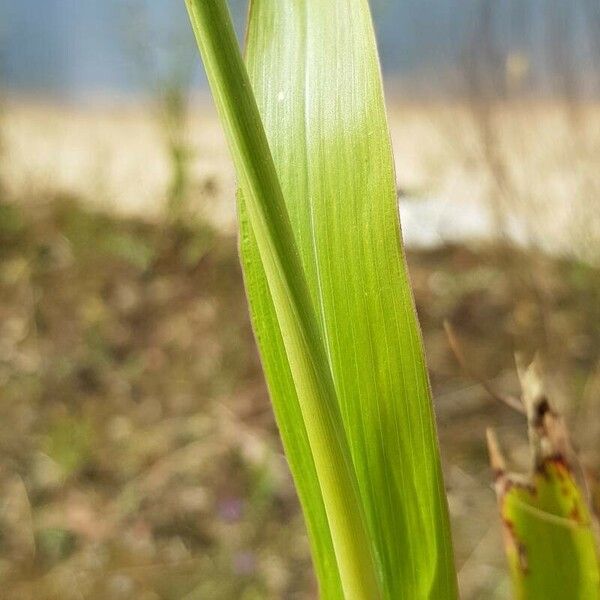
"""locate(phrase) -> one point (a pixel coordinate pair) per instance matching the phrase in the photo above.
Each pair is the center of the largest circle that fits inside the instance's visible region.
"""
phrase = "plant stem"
(296, 315)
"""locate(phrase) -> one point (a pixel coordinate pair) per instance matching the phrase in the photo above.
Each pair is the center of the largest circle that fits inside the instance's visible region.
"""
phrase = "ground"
(138, 452)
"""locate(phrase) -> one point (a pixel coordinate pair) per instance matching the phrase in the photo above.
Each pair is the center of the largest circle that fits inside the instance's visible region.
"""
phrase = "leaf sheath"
(267, 215)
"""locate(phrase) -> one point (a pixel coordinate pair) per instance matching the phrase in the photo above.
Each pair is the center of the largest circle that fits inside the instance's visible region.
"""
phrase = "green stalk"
(287, 283)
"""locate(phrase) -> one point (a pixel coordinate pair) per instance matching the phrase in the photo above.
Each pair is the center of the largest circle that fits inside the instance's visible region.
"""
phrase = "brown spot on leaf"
(575, 514)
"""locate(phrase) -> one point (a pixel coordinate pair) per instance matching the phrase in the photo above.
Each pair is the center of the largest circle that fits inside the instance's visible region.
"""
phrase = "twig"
(511, 401)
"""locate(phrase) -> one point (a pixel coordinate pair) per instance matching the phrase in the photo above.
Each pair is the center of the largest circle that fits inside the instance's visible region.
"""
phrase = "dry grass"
(138, 454)
(537, 161)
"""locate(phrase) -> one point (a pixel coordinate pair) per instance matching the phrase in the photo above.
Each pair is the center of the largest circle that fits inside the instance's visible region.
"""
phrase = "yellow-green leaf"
(549, 541)
(315, 73)
(316, 439)
(329, 293)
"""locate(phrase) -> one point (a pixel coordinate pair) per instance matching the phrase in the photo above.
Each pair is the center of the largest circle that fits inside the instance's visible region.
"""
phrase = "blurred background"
(138, 453)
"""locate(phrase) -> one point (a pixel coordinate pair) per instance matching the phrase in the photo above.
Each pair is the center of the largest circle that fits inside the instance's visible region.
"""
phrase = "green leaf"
(551, 548)
(549, 541)
(340, 310)
(315, 74)
(313, 432)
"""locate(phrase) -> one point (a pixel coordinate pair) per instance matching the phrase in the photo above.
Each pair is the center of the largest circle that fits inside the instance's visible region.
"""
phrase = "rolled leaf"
(317, 419)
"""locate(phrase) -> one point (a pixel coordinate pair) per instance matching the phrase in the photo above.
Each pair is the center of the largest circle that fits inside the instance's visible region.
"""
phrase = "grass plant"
(329, 295)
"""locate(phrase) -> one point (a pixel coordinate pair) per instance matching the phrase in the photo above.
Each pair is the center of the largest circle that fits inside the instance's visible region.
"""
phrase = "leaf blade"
(550, 546)
(548, 535)
(293, 311)
(314, 69)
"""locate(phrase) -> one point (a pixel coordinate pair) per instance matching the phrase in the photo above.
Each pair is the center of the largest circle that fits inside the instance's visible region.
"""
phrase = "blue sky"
(74, 48)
